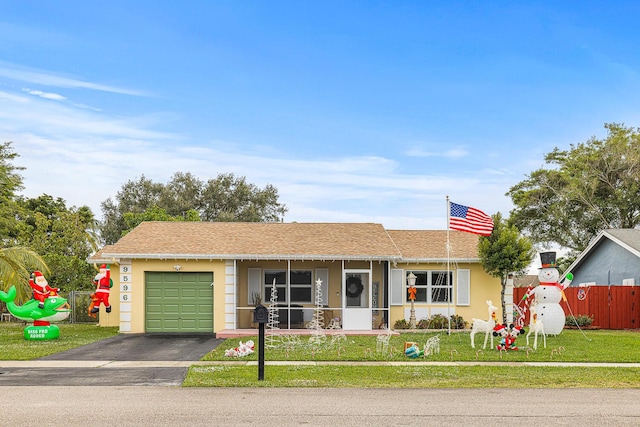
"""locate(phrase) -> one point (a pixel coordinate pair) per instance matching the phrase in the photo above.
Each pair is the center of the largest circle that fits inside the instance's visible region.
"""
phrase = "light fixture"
(177, 267)
(411, 282)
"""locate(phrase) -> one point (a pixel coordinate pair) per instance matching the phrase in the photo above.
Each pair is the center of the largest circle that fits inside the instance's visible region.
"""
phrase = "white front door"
(356, 303)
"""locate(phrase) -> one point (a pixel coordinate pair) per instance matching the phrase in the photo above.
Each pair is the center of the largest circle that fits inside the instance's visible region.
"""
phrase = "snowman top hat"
(548, 259)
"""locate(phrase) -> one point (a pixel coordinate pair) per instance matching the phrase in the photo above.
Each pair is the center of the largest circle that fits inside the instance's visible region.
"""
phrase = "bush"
(401, 324)
(457, 322)
(437, 321)
(582, 320)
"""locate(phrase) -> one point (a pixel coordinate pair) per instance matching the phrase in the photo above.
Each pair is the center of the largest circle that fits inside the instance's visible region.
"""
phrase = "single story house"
(184, 277)
(612, 258)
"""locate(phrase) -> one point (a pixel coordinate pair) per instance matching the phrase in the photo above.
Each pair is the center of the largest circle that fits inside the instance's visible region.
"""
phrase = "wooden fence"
(612, 307)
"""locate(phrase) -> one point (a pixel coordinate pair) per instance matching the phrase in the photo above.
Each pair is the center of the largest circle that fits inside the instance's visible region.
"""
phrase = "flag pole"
(449, 278)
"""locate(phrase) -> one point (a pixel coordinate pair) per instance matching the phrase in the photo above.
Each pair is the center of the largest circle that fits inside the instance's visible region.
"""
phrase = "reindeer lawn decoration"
(485, 326)
(536, 327)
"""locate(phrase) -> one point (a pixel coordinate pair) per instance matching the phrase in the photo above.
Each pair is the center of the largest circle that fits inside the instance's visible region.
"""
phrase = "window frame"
(425, 291)
(286, 289)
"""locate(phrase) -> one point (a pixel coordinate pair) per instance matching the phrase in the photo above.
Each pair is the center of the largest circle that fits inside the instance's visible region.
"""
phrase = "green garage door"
(179, 302)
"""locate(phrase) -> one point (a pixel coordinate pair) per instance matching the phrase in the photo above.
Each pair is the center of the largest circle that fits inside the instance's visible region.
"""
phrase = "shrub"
(401, 324)
(582, 320)
(437, 321)
(457, 322)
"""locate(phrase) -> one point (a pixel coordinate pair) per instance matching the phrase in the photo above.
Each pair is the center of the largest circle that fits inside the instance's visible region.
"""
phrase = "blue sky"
(356, 111)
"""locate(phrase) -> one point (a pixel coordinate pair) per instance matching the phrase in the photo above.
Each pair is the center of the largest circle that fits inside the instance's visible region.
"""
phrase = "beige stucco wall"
(483, 287)
(128, 304)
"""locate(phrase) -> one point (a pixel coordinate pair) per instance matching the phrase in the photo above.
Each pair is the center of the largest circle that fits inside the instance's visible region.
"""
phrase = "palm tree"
(15, 263)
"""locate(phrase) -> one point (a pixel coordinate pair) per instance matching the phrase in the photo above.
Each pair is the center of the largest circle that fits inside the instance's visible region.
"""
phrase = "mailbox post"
(260, 316)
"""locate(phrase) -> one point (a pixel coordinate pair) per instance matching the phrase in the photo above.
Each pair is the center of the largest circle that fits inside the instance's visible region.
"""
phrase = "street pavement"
(181, 406)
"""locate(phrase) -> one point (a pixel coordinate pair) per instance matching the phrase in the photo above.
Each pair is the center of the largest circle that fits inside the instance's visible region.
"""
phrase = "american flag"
(471, 220)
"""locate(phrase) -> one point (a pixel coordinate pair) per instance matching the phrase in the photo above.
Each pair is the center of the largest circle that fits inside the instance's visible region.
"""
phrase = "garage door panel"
(188, 309)
(154, 293)
(179, 302)
(189, 292)
(171, 293)
(171, 309)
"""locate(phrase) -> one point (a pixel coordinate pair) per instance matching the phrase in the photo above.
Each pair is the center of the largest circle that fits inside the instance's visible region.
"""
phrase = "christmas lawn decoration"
(53, 308)
(484, 326)
(508, 336)
(242, 350)
(549, 293)
(103, 284)
(536, 326)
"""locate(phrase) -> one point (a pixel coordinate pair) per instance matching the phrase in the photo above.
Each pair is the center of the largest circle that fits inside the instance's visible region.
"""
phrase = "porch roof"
(259, 241)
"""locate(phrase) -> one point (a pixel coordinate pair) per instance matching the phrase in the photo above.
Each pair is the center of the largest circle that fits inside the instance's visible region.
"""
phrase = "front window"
(432, 286)
(300, 288)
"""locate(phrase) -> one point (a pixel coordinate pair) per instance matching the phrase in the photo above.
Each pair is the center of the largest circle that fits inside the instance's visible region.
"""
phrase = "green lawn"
(13, 346)
(410, 377)
(570, 346)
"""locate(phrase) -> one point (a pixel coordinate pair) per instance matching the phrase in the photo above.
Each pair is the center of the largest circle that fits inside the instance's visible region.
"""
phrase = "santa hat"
(498, 330)
(37, 274)
(103, 266)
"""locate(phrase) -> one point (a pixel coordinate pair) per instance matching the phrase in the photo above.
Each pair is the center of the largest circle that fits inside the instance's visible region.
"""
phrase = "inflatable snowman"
(548, 295)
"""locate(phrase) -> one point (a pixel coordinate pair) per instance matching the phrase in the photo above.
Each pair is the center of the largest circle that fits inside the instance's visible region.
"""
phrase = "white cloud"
(451, 154)
(86, 156)
(47, 78)
(45, 95)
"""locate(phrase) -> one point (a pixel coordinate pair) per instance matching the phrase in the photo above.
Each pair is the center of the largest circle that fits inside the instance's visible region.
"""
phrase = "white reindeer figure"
(536, 327)
(485, 326)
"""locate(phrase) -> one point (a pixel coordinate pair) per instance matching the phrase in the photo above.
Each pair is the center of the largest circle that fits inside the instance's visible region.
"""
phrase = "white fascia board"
(256, 257)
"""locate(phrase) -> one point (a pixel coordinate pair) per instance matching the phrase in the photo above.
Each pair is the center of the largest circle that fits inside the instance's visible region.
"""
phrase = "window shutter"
(255, 284)
(463, 289)
(397, 286)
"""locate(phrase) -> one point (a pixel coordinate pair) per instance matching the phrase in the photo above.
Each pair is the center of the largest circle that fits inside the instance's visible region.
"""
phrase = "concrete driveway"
(95, 368)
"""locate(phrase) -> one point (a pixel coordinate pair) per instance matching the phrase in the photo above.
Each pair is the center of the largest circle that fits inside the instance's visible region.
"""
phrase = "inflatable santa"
(103, 284)
(41, 288)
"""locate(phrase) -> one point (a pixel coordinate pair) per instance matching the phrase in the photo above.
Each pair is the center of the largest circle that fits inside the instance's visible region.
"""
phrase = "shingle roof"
(431, 245)
(234, 240)
(629, 236)
(318, 241)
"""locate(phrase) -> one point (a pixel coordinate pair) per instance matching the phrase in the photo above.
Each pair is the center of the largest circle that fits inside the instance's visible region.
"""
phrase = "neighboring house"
(612, 258)
(205, 276)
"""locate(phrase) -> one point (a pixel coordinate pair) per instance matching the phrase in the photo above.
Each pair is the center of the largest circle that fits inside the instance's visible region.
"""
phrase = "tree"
(10, 183)
(504, 252)
(132, 220)
(186, 198)
(134, 197)
(590, 187)
(64, 235)
(16, 265)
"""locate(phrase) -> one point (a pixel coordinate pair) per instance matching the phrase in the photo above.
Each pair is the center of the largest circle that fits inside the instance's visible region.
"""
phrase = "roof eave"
(439, 260)
(254, 257)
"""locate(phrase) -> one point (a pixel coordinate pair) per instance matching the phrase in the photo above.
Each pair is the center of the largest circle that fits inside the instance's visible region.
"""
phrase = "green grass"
(13, 346)
(569, 346)
(408, 377)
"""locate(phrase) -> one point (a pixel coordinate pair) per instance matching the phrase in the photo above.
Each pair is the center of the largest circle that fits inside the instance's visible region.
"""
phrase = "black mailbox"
(261, 314)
